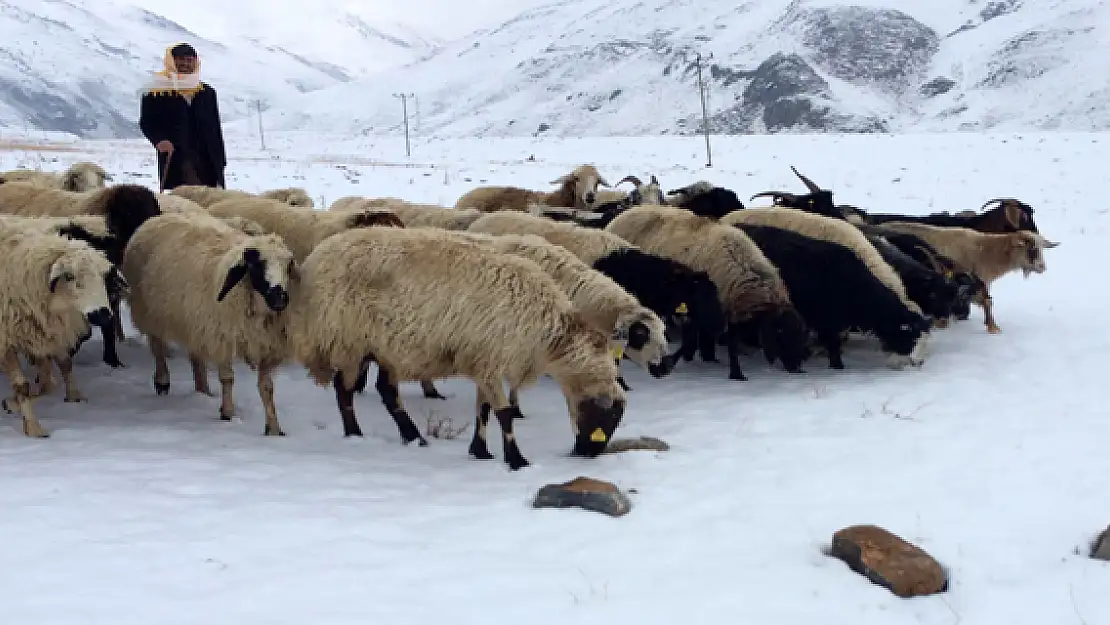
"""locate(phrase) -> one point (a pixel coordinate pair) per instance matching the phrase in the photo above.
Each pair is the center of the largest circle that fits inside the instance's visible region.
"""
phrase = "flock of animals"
(508, 285)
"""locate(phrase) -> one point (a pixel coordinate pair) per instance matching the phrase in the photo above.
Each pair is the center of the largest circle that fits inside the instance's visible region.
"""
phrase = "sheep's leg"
(494, 396)
(117, 325)
(988, 313)
(108, 333)
(734, 370)
(689, 342)
(227, 386)
(830, 340)
(479, 446)
(73, 394)
(200, 376)
(430, 390)
(345, 399)
(159, 350)
(22, 400)
(707, 346)
(266, 393)
(387, 389)
(44, 376)
(360, 382)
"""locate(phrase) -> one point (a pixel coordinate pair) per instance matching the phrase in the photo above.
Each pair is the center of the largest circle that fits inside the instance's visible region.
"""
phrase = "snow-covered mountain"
(627, 67)
(76, 65)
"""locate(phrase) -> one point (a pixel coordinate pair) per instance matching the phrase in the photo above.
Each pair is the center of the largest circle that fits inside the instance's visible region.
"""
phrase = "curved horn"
(1000, 200)
(774, 194)
(806, 181)
(653, 180)
(630, 178)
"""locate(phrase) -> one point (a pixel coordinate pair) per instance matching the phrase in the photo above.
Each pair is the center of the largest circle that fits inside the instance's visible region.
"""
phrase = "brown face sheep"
(55, 288)
(578, 189)
(424, 304)
(986, 256)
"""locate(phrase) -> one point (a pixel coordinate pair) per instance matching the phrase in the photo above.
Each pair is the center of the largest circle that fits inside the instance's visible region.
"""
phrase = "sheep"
(578, 189)
(183, 270)
(79, 177)
(54, 288)
(834, 291)
(413, 214)
(749, 286)
(935, 292)
(207, 196)
(818, 200)
(302, 230)
(669, 288)
(124, 206)
(1010, 215)
(636, 332)
(968, 287)
(839, 231)
(705, 199)
(92, 229)
(608, 205)
(424, 304)
(986, 256)
(177, 204)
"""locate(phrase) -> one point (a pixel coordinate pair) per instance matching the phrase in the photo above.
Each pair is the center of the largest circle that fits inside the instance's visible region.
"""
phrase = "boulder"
(889, 561)
(640, 443)
(586, 493)
(1100, 549)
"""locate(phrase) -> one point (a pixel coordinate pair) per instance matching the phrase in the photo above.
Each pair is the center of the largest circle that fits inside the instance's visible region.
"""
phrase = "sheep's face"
(651, 193)
(1031, 247)
(784, 336)
(645, 343)
(83, 177)
(584, 180)
(298, 197)
(77, 282)
(903, 334)
(269, 269)
(942, 293)
(598, 419)
(821, 203)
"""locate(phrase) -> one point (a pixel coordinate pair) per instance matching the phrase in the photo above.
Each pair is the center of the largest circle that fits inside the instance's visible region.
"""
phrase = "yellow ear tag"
(948, 274)
(618, 352)
(598, 436)
(682, 310)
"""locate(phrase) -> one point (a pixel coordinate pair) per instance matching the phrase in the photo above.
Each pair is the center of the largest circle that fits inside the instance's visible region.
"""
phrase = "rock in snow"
(889, 561)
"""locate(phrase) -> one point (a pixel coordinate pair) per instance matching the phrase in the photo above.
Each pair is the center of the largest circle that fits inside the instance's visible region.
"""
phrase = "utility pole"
(261, 133)
(405, 112)
(704, 116)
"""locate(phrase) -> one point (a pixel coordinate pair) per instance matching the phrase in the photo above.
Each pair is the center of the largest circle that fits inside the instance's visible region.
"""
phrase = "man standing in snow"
(181, 119)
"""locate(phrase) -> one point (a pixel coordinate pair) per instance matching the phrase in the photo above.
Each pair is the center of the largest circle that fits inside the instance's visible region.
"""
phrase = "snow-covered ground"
(143, 509)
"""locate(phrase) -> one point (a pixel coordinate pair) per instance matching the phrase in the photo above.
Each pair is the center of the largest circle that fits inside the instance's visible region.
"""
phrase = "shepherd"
(180, 117)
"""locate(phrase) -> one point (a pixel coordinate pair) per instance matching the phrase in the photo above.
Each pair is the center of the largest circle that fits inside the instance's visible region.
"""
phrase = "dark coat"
(193, 128)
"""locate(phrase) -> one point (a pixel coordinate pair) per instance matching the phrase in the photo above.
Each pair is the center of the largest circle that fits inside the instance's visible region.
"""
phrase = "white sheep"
(79, 177)
(194, 281)
(424, 304)
(635, 331)
(413, 214)
(53, 289)
(302, 230)
(207, 196)
(578, 189)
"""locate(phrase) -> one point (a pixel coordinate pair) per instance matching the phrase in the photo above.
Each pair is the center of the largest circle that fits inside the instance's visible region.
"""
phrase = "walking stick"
(165, 173)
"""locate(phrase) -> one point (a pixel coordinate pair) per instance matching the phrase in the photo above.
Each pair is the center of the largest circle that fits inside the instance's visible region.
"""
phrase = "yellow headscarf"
(170, 82)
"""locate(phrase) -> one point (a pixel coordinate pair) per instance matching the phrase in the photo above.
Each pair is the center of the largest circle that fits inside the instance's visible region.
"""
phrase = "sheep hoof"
(161, 388)
(434, 394)
(268, 431)
(994, 330)
(836, 365)
(6, 405)
(32, 429)
(75, 398)
(738, 376)
(620, 380)
(516, 462)
(113, 363)
(479, 450)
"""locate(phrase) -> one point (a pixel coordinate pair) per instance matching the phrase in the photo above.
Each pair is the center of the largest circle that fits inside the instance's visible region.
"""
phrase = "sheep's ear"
(654, 180)
(1013, 215)
(234, 275)
(603, 182)
(58, 273)
(564, 179)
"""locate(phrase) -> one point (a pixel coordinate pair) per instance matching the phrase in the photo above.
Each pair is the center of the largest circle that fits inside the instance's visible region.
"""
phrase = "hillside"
(594, 67)
(76, 66)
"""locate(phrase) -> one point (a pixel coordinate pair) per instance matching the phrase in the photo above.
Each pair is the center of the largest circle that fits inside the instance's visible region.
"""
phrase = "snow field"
(143, 509)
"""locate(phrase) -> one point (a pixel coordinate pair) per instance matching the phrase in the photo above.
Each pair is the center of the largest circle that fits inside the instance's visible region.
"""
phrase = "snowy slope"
(143, 510)
(594, 67)
(76, 66)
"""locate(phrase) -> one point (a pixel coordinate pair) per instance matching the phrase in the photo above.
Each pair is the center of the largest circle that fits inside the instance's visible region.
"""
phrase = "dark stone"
(586, 493)
(640, 443)
(889, 561)
(937, 86)
(1100, 549)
